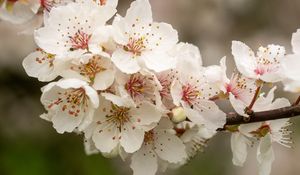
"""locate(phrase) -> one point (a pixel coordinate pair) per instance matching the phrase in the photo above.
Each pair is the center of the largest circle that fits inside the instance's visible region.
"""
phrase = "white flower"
(95, 69)
(141, 86)
(290, 66)
(267, 132)
(193, 94)
(188, 59)
(19, 11)
(70, 104)
(238, 86)
(118, 122)
(74, 29)
(160, 145)
(42, 65)
(265, 65)
(142, 42)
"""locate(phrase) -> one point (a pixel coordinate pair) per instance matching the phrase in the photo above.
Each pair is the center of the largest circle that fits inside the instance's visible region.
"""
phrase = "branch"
(286, 112)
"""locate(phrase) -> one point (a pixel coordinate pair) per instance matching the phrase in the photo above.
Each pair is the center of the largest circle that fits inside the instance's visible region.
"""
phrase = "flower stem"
(248, 109)
(297, 101)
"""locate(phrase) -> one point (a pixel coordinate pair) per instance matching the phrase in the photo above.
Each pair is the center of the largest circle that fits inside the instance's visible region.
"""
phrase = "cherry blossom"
(95, 69)
(118, 122)
(265, 65)
(266, 132)
(74, 30)
(193, 94)
(160, 144)
(142, 42)
(141, 86)
(70, 104)
(42, 65)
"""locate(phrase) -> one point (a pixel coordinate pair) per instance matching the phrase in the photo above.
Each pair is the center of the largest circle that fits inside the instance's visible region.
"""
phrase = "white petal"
(63, 122)
(206, 113)
(264, 103)
(187, 54)
(239, 144)
(71, 83)
(125, 102)
(93, 96)
(244, 59)
(88, 118)
(141, 10)
(106, 137)
(125, 61)
(238, 105)
(280, 103)
(296, 42)
(290, 67)
(265, 155)
(144, 162)
(176, 92)
(159, 61)
(164, 37)
(104, 79)
(132, 138)
(164, 124)
(146, 114)
(169, 147)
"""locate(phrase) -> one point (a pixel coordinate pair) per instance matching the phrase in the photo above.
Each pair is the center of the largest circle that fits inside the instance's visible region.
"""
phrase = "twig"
(286, 112)
(297, 101)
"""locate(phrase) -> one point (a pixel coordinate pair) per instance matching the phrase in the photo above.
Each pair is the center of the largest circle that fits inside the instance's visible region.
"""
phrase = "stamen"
(80, 40)
(135, 46)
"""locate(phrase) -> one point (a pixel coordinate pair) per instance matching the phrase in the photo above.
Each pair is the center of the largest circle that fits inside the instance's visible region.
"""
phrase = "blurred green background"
(30, 146)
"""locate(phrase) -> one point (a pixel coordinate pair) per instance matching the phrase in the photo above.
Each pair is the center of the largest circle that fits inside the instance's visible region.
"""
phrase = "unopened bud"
(178, 115)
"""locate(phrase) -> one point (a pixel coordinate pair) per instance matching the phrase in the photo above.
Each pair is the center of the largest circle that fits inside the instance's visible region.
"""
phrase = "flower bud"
(178, 115)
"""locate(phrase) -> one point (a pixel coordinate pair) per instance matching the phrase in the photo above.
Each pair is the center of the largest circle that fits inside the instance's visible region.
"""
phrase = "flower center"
(237, 85)
(46, 58)
(118, 115)
(190, 94)
(80, 41)
(262, 131)
(135, 86)
(135, 46)
(90, 69)
(72, 101)
(149, 137)
(259, 71)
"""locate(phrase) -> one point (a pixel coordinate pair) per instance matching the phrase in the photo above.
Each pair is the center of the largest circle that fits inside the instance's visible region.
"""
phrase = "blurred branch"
(286, 112)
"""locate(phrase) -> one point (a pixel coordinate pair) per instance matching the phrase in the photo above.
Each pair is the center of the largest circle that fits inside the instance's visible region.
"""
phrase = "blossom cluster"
(133, 90)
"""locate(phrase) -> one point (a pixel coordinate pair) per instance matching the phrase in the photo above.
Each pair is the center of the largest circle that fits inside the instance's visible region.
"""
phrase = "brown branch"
(286, 112)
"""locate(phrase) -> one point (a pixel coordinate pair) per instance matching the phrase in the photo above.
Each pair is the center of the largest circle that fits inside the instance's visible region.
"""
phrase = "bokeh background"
(30, 146)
